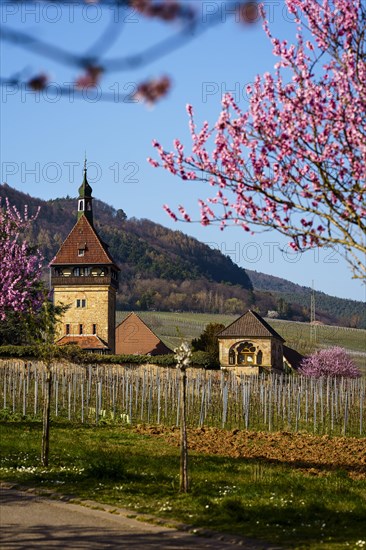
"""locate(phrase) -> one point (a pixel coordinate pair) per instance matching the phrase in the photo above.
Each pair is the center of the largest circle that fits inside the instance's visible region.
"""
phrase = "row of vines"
(151, 395)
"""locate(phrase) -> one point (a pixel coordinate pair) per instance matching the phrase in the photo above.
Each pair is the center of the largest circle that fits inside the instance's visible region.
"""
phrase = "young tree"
(183, 356)
(22, 290)
(334, 362)
(25, 309)
(295, 160)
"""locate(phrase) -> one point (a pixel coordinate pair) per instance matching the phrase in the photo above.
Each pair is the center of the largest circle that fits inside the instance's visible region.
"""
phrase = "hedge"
(76, 355)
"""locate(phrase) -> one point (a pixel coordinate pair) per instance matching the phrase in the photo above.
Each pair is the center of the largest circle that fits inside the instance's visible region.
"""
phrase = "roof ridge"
(100, 242)
(84, 224)
(235, 321)
(145, 324)
(268, 330)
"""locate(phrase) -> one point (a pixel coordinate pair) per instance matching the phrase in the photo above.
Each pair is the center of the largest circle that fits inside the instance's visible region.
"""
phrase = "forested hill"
(348, 312)
(167, 270)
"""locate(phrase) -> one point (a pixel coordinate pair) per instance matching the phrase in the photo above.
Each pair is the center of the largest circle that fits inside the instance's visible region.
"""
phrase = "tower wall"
(99, 310)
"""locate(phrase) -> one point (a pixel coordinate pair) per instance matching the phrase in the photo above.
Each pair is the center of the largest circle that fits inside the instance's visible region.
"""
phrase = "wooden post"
(46, 418)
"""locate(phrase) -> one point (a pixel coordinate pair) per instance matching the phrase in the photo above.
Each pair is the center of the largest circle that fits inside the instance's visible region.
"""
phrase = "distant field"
(173, 327)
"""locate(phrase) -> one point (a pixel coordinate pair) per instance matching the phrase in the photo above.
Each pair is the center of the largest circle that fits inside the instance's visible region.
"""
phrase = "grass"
(273, 502)
(172, 327)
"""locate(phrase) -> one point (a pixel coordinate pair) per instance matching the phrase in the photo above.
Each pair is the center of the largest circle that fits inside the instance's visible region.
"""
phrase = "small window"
(81, 252)
(80, 329)
(81, 205)
(76, 271)
(81, 303)
(67, 329)
(94, 329)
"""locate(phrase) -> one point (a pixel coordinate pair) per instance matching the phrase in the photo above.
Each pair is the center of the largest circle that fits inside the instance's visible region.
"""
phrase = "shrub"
(76, 355)
(334, 362)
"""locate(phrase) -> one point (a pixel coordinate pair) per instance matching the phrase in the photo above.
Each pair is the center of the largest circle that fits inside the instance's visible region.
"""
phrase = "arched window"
(246, 353)
(243, 353)
(81, 205)
(259, 357)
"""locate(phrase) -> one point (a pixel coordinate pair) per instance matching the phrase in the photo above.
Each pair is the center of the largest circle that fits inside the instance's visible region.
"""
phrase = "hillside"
(350, 313)
(167, 270)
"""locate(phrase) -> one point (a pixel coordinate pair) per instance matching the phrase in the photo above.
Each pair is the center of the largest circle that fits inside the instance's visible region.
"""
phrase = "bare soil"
(314, 455)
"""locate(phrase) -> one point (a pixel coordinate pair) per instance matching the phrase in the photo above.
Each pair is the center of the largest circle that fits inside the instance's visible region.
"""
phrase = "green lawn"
(115, 465)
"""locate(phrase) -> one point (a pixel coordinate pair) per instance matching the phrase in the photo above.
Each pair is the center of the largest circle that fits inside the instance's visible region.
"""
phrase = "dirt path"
(29, 521)
(312, 454)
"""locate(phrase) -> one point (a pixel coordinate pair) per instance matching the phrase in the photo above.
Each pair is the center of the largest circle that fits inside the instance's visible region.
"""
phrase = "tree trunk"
(46, 419)
(183, 436)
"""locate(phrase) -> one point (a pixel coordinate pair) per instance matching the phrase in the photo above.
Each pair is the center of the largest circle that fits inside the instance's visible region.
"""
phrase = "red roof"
(134, 337)
(83, 237)
(84, 342)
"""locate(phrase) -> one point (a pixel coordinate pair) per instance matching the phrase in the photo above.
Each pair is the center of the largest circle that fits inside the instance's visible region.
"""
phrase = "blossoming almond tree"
(20, 265)
(295, 161)
(334, 362)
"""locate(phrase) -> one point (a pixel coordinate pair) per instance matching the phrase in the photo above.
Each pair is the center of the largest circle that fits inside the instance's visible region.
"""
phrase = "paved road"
(29, 521)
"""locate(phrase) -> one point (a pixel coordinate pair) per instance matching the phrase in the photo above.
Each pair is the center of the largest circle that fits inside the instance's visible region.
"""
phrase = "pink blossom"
(295, 159)
(20, 264)
(334, 362)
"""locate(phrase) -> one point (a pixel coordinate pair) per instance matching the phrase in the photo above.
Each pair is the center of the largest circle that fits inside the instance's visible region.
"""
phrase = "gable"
(83, 237)
(250, 325)
(134, 337)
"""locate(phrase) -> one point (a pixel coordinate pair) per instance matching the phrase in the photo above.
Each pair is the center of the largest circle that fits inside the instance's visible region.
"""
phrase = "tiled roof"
(250, 325)
(84, 342)
(133, 336)
(83, 236)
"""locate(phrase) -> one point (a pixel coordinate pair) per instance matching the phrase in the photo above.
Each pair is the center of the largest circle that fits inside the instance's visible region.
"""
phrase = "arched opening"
(245, 354)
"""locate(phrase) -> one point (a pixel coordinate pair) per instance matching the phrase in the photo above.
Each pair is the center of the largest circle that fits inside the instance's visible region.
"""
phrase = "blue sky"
(43, 138)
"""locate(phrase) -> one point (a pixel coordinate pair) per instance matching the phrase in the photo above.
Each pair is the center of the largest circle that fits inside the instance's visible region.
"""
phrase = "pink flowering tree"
(333, 362)
(20, 265)
(294, 161)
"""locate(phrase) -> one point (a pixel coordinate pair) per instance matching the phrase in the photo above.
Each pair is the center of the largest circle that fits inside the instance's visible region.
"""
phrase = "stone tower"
(85, 278)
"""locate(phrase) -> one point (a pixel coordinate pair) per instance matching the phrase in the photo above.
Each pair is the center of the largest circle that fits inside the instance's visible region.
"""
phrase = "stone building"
(134, 337)
(250, 345)
(84, 277)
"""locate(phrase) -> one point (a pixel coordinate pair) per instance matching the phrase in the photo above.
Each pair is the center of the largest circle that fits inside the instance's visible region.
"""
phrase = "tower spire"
(85, 200)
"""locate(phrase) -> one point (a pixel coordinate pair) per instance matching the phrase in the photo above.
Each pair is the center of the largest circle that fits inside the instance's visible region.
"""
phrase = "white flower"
(183, 355)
